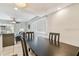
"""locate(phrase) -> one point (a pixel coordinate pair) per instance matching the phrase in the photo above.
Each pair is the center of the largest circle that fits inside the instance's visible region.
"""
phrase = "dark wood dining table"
(41, 47)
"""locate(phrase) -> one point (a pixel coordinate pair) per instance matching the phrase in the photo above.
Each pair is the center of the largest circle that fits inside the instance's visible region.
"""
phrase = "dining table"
(42, 47)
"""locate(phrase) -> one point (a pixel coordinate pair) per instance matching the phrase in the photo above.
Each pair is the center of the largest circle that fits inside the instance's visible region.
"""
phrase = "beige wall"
(66, 22)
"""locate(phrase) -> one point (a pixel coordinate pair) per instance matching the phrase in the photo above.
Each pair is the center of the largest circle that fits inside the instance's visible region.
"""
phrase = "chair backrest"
(54, 38)
(30, 35)
(18, 38)
(78, 54)
(50, 37)
(24, 47)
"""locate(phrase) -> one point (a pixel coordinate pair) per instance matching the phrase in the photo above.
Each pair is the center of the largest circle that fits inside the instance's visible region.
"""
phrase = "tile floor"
(13, 50)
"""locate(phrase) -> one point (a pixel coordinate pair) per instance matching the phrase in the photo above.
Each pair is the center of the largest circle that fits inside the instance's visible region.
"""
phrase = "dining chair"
(50, 38)
(30, 35)
(78, 54)
(54, 38)
(23, 34)
(24, 46)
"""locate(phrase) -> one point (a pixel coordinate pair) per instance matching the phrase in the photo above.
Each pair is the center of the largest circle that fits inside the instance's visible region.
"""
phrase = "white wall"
(66, 22)
(39, 27)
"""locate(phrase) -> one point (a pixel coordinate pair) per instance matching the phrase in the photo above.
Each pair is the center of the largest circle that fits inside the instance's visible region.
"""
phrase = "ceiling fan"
(14, 20)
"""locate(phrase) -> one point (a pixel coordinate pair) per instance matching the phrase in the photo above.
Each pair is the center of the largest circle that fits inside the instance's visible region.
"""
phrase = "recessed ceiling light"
(58, 8)
(15, 8)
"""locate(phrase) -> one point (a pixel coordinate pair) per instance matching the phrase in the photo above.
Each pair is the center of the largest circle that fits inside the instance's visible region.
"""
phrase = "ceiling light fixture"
(21, 5)
(15, 8)
(58, 8)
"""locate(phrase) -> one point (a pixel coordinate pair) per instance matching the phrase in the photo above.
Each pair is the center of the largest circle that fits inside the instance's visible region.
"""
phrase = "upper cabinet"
(4, 29)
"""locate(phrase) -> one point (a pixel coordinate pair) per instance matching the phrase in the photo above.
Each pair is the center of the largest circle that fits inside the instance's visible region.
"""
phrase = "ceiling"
(31, 11)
